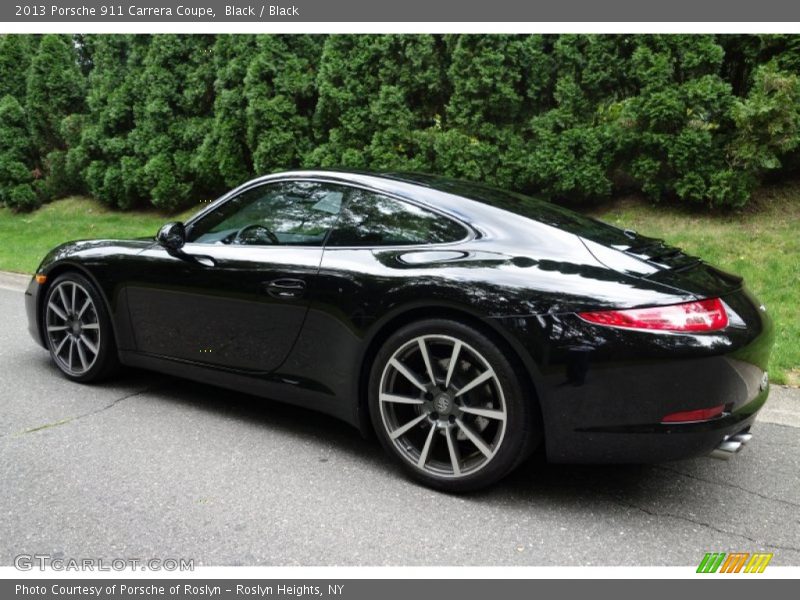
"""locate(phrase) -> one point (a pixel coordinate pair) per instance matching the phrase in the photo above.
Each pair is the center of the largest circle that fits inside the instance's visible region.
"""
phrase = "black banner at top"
(255, 11)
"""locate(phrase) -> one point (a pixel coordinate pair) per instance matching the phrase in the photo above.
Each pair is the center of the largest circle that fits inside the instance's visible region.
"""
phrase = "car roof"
(417, 187)
(463, 199)
(498, 213)
(468, 200)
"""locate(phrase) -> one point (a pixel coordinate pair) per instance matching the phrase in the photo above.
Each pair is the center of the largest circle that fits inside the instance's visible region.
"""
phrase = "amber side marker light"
(40, 278)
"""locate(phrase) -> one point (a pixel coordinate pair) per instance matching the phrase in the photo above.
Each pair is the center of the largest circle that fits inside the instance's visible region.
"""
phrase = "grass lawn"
(762, 244)
(26, 238)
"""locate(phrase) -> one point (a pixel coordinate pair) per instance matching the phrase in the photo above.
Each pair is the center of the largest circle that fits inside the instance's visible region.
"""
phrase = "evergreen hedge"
(167, 120)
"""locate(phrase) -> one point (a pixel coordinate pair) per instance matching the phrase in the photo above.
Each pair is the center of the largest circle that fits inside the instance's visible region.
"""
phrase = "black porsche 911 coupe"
(465, 325)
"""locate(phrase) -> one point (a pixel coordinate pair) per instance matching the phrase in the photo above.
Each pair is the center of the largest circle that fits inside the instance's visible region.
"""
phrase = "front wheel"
(446, 402)
(78, 329)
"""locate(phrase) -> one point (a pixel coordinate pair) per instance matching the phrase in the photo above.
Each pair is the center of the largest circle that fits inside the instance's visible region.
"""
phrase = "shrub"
(167, 120)
(55, 89)
(16, 174)
(767, 121)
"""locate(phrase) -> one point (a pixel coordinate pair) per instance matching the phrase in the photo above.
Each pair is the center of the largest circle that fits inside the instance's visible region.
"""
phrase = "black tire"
(512, 433)
(97, 330)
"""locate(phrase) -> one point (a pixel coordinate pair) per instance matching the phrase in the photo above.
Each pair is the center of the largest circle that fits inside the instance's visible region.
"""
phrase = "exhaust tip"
(726, 449)
(742, 438)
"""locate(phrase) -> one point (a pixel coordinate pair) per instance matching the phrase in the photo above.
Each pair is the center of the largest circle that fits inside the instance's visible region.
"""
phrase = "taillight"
(702, 315)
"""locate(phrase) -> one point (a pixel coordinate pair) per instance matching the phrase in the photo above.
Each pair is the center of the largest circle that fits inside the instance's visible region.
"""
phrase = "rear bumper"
(604, 392)
(653, 443)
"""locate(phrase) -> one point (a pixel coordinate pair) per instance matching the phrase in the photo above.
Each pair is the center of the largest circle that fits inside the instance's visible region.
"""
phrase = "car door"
(383, 252)
(236, 295)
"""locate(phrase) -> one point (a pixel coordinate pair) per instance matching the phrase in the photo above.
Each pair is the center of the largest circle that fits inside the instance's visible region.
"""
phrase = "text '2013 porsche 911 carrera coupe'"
(464, 325)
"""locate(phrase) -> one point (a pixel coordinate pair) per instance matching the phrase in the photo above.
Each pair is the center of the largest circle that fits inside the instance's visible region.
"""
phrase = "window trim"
(246, 187)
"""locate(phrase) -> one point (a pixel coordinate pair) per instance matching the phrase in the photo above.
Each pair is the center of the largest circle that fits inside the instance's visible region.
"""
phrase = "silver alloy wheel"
(442, 406)
(73, 327)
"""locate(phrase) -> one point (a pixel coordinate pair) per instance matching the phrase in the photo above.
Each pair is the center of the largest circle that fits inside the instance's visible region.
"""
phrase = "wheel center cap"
(76, 328)
(442, 403)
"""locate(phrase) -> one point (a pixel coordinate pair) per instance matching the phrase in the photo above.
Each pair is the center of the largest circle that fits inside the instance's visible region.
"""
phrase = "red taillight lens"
(703, 315)
(688, 416)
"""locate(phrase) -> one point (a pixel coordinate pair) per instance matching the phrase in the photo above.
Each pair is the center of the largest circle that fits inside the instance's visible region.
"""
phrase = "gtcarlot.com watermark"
(29, 562)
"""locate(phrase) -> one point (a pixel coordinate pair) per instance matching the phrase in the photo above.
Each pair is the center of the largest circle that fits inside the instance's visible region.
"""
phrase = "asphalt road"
(151, 466)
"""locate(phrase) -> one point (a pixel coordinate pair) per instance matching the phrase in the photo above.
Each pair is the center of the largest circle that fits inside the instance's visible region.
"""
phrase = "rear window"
(526, 206)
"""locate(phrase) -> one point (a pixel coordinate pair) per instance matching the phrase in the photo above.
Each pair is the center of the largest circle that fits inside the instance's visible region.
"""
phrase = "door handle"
(286, 289)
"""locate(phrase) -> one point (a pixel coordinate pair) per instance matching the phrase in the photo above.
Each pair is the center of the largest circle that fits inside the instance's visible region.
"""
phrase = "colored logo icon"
(735, 562)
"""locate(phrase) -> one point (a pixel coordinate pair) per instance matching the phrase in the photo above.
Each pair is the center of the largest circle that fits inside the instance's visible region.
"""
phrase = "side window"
(371, 219)
(296, 213)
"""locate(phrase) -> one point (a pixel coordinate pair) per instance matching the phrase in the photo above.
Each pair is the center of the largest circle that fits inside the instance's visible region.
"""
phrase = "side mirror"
(172, 236)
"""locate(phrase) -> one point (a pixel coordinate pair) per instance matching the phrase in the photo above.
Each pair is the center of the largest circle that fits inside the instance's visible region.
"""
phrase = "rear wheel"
(78, 330)
(447, 404)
